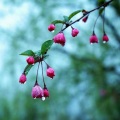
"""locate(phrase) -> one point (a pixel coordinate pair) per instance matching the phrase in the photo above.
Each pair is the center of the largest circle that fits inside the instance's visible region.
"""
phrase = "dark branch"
(103, 5)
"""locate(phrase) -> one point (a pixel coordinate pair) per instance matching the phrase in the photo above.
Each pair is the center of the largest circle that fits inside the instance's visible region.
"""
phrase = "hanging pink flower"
(60, 38)
(105, 38)
(37, 92)
(50, 72)
(93, 39)
(51, 27)
(74, 32)
(22, 79)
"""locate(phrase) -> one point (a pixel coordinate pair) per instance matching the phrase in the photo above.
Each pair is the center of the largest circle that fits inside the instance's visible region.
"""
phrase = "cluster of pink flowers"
(37, 90)
(94, 39)
(60, 37)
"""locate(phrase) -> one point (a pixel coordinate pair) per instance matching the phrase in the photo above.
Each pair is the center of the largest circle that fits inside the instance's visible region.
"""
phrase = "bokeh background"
(87, 81)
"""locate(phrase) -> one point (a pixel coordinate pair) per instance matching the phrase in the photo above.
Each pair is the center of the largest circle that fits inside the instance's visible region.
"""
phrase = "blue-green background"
(82, 70)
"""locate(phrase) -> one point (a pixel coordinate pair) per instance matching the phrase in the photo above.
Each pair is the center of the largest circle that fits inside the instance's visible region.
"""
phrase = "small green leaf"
(45, 46)
(28, 53)
(58, 21)
(27, 69)
(66, 18)
(100, 2)
(73, 14)
(101, 11)
(38, 53)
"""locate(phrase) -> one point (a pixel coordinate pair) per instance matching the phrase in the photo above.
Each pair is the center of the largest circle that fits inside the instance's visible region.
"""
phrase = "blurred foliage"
(86, 85)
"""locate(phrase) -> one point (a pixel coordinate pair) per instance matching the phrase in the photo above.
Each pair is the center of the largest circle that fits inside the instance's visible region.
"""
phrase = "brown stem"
(103, 5)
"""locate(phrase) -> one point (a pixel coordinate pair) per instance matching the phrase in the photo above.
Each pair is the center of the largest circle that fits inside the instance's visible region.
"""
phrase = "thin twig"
(103, 5)
(37, 74)
(43, 76)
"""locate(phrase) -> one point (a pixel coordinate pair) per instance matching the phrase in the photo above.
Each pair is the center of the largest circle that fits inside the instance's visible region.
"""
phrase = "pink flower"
(74, 32)
(22, 79)
(50, 72)
(30, 60)
(85, 19)
(105, 38)
(37, 91)
(46, 92)
(93, 39)
(51, 27)
(60, 39)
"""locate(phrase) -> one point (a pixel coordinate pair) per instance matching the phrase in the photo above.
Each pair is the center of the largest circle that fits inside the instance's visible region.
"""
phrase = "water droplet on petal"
(104, 41)
(43, 98)
(34, 97)
(53, 31)
(24, 82)
(91, 43)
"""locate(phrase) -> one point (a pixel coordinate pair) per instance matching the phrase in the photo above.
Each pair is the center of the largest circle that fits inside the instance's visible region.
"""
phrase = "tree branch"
(103, 5)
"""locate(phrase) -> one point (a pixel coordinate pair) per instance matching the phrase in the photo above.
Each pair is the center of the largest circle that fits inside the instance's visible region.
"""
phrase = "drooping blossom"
(60, 38)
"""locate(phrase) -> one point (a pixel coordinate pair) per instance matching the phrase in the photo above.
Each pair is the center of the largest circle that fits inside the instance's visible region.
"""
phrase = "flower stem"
(37, 74)
(104, 22)
(47, 65)
(103, 5)
(43, 76)
(95, 22)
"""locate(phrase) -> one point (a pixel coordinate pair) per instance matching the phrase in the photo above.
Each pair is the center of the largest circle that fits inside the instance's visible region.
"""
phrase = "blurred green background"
(87, 81)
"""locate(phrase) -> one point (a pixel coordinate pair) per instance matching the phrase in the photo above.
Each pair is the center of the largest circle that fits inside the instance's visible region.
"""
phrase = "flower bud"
(50, 72)
(60, 39)
(30, 60)
(74, 32)
(22, 79)
(93, 39)
(105, 38)
(51, 27)
(46, 92)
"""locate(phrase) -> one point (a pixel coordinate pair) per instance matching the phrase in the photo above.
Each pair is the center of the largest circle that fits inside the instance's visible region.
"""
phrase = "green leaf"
(45, 46)
(73, 14)
(100, 2)
(38, 53)
(66, 18)
(101, 11)
(27, 69)
(58, 21)
(28, 53)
